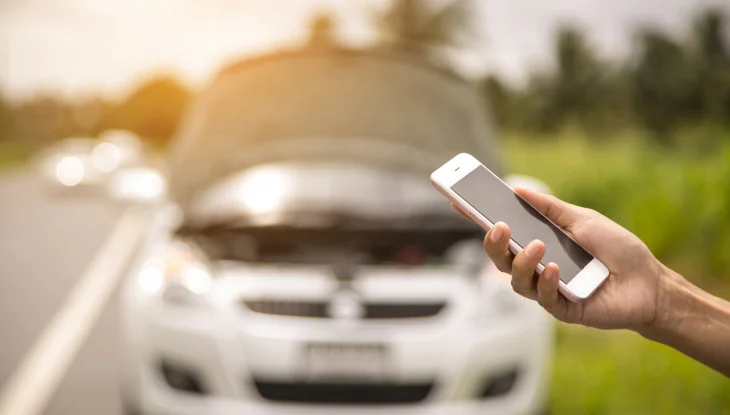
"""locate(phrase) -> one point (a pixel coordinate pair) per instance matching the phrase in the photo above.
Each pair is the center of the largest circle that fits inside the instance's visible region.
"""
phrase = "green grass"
(678, 202)
(13, 154)
(619, 372)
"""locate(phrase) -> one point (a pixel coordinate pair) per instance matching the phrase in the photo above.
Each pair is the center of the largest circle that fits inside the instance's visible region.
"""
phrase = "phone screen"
(498, 203)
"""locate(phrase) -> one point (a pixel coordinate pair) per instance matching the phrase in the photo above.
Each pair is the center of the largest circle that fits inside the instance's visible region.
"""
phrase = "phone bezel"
(579, 288)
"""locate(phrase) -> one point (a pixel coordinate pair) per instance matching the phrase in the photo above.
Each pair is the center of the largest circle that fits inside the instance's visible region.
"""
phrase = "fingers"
(561, 213)
(523, 269)
(547, 288)
(496, 244)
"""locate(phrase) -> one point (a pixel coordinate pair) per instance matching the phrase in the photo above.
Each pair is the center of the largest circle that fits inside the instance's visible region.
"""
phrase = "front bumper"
(230, 352)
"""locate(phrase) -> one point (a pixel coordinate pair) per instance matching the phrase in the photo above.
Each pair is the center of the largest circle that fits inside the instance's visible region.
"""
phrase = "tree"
(43, 119)
(662, 84)
(6, 120)
(500, 98)
(713, 65)
(152, 111)
(577, 74)
(582, 90)
(322, 31)
(413, 23)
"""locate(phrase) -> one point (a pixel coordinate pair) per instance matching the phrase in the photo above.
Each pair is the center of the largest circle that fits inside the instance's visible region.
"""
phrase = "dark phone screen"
(498, 203)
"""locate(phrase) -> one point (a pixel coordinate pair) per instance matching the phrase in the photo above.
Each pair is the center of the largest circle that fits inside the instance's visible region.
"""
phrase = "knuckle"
(544, 303)
(487, 246)
(516, 285)
(519, 286)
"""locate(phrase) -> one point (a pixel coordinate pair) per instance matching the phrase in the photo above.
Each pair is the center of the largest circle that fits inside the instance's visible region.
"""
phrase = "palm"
(627, 298)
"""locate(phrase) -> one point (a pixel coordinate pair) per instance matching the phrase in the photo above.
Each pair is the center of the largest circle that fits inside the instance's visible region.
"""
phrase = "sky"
(84, 47)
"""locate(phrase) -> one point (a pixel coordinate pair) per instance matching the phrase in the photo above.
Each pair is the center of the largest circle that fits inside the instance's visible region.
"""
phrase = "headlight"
(70, 171)
(176, 275)
(139, 184)
(498, 298)
(106, 157)
(467, 256)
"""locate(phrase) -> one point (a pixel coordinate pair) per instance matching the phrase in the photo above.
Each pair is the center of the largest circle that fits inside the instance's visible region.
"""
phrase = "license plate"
(346, 360)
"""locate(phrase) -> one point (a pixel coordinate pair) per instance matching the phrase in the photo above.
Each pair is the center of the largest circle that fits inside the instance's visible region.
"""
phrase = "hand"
(628, 298)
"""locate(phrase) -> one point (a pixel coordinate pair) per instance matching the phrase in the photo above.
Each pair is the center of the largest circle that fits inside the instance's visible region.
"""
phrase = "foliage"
(415, 23)
(621, 373)
(13, 153)
(322, 30)
(677, 202)
(668, 85)
(152, 111)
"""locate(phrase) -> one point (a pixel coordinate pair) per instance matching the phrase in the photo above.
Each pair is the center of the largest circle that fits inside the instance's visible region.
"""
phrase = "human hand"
(627, 299)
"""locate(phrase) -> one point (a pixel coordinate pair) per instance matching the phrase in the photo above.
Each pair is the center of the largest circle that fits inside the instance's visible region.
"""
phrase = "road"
(47, 241)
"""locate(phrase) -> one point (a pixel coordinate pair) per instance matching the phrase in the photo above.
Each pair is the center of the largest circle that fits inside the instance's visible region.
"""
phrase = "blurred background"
(150, 152)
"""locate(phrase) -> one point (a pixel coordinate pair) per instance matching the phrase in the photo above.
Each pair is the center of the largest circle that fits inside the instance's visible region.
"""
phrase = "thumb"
(560, 213)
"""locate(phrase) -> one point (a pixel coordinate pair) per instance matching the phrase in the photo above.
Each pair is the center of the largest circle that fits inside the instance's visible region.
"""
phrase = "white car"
(324, 299)
(70, 163)
(114, 166)
(312, 268)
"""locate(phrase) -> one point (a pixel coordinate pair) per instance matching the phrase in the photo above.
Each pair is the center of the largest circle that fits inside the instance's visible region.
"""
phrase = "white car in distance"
(70, 163)
(322, 289)
(114, 165)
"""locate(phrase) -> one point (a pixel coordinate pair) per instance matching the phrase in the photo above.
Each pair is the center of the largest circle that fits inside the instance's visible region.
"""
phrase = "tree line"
(669, 83)
(152, 110)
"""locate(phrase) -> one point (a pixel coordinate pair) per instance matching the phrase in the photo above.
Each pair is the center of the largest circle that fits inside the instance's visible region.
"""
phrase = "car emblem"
(346, 305)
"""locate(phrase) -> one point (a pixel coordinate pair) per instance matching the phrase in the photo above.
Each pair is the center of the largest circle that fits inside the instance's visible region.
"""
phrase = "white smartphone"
(488, 200)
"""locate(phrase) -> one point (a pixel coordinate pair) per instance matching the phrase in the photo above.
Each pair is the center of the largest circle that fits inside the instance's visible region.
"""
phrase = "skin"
(640, 294)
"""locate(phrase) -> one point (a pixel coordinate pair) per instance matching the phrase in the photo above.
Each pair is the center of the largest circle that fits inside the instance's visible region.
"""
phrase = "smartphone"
(486, 199)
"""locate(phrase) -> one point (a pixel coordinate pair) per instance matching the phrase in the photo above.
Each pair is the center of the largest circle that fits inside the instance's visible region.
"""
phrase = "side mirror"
(529, 182)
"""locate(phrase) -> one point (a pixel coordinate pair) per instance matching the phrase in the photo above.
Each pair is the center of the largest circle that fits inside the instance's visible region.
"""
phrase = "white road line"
(38, 375)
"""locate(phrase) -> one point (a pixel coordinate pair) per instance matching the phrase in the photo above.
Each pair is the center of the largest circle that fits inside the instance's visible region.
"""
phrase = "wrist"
(675, 299)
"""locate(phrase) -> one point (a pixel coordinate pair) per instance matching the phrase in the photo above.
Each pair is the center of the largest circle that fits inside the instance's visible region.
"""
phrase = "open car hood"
(314, 195)
(388, 109)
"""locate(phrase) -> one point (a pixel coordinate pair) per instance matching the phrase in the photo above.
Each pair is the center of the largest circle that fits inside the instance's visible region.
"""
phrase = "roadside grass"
(13, 154)
(619, 372)
(678, 202)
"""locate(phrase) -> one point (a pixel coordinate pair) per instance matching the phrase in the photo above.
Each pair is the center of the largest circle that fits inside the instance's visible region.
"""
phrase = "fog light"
(182, 379)
(499, 385)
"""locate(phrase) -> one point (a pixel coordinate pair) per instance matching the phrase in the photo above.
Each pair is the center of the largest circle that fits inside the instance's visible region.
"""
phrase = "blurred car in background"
(311, 267)
(117, 148)
(70, 163)
(113, 165)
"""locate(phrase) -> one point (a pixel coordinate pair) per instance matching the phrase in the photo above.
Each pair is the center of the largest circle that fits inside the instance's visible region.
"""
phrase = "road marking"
(39, 374)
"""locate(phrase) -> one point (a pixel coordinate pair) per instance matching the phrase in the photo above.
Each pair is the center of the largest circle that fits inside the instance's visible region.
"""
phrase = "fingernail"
(531, 249)
(549, 271)
(496, 234)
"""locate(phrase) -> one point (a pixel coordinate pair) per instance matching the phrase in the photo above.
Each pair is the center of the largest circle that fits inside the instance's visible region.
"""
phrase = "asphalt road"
(46, 242)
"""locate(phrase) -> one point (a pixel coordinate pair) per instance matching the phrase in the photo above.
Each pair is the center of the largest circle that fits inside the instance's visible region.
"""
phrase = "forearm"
(692, 321)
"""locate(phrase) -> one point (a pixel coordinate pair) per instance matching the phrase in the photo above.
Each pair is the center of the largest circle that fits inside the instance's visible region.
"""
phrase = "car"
(70, 164)
(306, 265)
(114, 165)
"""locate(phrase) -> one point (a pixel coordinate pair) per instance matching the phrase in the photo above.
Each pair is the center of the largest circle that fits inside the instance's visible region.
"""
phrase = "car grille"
(343, 393)
(318, 309)
(288, 308)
